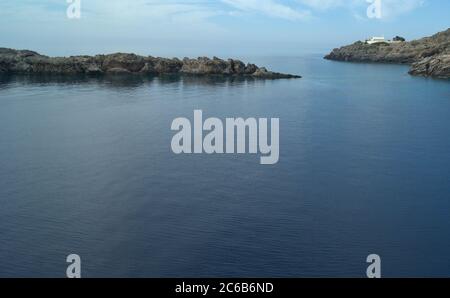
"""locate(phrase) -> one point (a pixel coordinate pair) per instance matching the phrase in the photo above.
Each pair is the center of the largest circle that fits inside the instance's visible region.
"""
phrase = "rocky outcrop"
(29, 62)
(437, 66)
(428, 56)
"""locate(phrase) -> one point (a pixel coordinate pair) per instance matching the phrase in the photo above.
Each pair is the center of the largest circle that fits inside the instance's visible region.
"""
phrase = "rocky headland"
(29, 62)
(429, 56)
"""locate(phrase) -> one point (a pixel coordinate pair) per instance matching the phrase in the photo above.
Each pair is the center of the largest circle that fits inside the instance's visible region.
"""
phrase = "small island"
(429, 56)
(29, 62)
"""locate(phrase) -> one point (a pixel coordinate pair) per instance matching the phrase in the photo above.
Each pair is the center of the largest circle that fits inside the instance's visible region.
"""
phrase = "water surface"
(86, 168)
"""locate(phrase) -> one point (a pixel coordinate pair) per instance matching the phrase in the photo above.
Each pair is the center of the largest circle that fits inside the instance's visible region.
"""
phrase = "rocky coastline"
(429, 56)
(29, 62)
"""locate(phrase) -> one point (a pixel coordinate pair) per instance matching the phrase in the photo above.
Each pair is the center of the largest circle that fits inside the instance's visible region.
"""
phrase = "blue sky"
(211, 27)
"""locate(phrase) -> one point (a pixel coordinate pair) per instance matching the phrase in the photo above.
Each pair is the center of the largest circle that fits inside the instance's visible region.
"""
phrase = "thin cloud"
(390, 8)
(188, 10)
(269, 8)
(323, 4)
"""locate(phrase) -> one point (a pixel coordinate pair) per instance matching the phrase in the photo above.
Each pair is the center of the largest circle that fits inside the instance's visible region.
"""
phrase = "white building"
(377, 40)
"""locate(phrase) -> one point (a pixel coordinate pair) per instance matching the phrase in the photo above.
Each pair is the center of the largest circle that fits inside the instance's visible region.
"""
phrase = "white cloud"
(157, 27)
(394, 8)
(199, 11)
(390, 8)
(323, 4)
(270, 8)
(166, 10)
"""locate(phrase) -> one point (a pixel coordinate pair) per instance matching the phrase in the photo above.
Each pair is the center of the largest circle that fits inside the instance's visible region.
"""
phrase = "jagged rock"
(127, 62)
(93, 69)
(204, 65)
(436, 66)
(238, 67)
(250, 68)
(428, 56)
(166, 66)
(263, 73)
(29, 62)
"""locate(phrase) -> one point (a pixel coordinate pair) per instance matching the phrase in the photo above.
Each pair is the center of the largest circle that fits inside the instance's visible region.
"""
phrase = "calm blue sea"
(86, 168)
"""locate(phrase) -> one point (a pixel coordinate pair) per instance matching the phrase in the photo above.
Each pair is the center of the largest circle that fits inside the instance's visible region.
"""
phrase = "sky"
(225, 28)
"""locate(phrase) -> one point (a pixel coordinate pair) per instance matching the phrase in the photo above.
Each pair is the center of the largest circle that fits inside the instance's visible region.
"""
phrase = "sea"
(86, 168)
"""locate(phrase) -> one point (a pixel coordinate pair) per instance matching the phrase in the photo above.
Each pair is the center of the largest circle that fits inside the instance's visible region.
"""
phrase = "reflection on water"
(125, 80)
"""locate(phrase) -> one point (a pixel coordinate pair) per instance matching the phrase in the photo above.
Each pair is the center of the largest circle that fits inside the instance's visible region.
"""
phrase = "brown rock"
(27, 62)
(428, 56)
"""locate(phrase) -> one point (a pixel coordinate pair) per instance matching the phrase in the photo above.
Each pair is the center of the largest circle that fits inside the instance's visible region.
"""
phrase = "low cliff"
(29, 62)
(428, 56)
